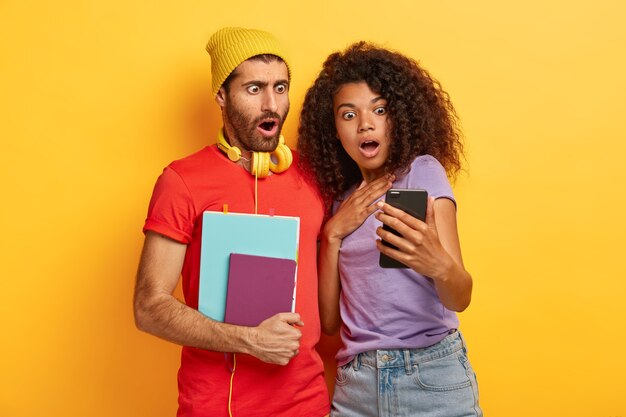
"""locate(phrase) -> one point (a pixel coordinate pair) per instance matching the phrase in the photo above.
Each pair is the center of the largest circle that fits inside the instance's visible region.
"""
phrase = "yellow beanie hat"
(229, 47)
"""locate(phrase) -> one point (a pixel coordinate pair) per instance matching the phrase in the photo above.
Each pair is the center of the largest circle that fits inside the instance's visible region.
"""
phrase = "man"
(277, 370)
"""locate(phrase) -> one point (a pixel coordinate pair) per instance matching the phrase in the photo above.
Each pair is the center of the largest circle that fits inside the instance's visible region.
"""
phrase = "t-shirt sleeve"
(428, 173)
(171, 211)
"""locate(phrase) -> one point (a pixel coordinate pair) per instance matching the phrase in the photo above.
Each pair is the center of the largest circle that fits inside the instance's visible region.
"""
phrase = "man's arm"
(158, 312)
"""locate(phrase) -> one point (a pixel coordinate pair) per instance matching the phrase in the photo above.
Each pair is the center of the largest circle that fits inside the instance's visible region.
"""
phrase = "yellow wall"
(97, 97)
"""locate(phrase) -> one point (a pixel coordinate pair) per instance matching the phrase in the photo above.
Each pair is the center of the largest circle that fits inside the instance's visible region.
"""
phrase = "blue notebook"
(251, 234)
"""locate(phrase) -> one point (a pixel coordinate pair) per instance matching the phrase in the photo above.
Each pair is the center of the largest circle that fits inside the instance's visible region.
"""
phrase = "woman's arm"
(351, 214)
(431, 248)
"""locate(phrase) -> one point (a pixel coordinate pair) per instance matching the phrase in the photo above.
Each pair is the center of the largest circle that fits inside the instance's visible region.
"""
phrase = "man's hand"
(276, 340)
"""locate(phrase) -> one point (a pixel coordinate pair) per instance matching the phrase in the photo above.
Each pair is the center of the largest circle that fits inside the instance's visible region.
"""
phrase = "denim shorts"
(435, 381)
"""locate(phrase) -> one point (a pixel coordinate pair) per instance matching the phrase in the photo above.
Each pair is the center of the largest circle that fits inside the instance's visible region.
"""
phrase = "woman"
(374, 119)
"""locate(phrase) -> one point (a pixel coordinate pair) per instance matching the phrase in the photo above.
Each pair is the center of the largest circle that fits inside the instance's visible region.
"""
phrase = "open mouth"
(369, 148)
(268, 127)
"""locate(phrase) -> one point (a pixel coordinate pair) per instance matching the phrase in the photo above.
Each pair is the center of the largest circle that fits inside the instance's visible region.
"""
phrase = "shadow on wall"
(204, 117)
(327, 349)
(198, 115)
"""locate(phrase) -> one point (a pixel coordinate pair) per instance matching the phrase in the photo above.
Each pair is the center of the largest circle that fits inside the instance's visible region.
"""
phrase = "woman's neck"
(372, 175)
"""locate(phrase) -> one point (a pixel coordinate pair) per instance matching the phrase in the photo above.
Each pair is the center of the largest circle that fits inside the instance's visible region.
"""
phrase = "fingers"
(398, 219)
(392, 253)
(281, 326)
(284, 359)
(370, 192)
(281, 358)
(405, 243)
(359, 206)
(362, 201)
(278, 340)
(413, 231)
(290, 318)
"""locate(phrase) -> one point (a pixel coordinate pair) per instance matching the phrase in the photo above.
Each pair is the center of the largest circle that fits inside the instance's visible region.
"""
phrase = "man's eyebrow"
(264, 83)
(255, 82)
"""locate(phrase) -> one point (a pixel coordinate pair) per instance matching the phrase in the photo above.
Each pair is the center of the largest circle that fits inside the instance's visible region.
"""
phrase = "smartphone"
(411, 201)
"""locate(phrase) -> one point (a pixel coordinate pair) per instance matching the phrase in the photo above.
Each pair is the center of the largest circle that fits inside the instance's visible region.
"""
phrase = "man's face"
(256, 105)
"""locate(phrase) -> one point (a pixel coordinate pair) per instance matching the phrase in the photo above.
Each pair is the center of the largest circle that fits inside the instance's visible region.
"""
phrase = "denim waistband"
(406, 358)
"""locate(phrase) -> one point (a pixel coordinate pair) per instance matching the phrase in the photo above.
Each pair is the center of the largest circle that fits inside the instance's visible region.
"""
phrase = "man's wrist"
(247, 338)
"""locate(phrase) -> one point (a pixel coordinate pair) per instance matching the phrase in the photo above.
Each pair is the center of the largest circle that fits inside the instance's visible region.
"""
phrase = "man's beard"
(246, 133)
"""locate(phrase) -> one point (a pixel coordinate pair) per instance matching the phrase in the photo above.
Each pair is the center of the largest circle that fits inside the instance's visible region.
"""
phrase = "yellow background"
(97, 97)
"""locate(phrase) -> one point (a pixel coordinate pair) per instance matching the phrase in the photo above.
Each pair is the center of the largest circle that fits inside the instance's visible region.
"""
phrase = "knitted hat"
(229, 47)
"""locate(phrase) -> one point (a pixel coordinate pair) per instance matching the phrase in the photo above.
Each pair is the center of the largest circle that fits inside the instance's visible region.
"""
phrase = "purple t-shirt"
(390, 308)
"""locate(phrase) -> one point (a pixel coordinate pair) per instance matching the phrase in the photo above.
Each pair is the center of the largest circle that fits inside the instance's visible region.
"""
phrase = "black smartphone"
(412, 201)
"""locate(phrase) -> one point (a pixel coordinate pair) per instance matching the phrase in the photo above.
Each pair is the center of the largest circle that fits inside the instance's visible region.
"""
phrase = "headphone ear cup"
(284, 158)
(260, 164)
(254, 163)
(233, 152)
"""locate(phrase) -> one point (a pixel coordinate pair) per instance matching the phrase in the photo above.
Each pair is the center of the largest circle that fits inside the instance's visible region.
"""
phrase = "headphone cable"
(230, 391)
(232, 375)
(256, 191)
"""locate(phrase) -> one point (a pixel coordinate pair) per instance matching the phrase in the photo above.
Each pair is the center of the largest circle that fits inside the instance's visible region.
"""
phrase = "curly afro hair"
(421, 116)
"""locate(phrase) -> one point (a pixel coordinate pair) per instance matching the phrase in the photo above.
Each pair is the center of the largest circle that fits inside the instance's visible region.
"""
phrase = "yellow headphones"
(261, 163)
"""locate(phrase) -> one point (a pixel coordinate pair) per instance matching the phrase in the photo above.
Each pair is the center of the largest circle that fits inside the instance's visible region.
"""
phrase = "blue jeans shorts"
(435, 381)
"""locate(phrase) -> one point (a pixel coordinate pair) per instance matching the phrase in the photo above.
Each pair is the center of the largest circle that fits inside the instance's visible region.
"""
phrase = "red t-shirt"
(207, 180)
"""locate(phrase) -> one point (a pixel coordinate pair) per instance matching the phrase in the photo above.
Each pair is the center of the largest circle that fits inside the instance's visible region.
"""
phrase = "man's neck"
(245, 161)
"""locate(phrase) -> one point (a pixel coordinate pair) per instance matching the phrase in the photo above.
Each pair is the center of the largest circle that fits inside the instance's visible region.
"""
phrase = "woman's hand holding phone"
(418, 245)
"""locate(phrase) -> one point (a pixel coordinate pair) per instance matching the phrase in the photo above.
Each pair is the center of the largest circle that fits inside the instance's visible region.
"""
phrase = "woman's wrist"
(445, 269)
(330, 234)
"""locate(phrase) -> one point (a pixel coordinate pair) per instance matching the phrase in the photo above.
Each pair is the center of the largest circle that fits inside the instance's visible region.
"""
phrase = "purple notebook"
(258, 288)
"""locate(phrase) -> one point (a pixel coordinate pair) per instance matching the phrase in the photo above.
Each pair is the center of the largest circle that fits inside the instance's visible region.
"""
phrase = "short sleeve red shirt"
(207, 180)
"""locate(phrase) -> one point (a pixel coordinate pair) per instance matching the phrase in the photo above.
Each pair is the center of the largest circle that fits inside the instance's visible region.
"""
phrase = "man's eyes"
(255, 89)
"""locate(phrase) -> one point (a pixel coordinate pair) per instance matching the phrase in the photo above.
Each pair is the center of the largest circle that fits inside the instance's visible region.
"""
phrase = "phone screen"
(411, 201)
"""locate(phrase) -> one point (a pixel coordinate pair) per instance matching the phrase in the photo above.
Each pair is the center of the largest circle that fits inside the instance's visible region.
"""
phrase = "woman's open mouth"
(369, 148)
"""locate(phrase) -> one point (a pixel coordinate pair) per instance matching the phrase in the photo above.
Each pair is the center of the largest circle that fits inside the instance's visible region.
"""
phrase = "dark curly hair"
(421, 116)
